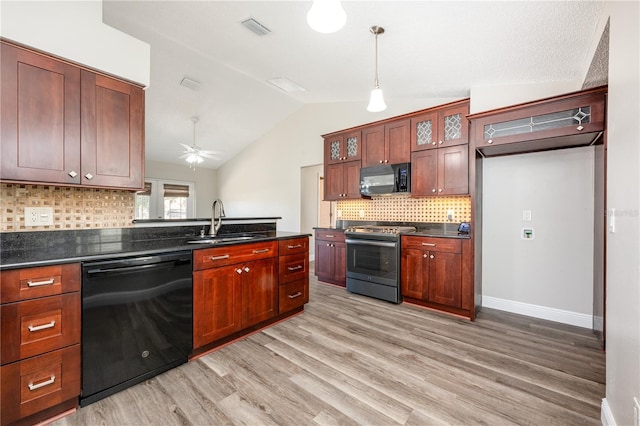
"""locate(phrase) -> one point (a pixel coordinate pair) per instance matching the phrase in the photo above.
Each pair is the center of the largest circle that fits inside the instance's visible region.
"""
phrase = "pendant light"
(376, 102)
(326, 16)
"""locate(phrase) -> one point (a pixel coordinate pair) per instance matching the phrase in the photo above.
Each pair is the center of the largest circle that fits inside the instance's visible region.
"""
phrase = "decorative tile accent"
(407, 209)
(73, 208)
(424, 132)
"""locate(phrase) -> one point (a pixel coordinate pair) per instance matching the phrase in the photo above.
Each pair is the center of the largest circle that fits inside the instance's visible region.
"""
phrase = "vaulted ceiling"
(429, 49)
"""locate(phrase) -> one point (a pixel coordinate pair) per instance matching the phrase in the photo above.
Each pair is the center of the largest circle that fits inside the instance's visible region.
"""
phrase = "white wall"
(264, 179)
(205, 179)
(553, 270)
(74, 30)
(623, 246)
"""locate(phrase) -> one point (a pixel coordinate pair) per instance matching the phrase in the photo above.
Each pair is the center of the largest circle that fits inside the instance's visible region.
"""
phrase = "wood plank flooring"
(351, 360)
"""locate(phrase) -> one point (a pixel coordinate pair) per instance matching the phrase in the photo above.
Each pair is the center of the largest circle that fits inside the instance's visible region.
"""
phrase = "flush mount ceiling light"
(376, 102)
(194, 154)
(326, 16)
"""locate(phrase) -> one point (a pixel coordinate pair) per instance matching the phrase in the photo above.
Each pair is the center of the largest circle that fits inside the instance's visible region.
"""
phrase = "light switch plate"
(38, 216)
(526, 215)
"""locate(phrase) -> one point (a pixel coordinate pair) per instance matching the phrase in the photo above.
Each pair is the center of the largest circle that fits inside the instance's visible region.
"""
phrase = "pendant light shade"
(326, 16)
(376, 101)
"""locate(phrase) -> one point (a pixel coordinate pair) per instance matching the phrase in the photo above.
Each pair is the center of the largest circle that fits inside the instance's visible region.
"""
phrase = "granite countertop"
(423, 229)
(70, 247)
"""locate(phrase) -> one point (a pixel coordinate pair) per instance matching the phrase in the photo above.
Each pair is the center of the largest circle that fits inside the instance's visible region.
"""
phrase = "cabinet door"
(424, 131)
(339, 262)
(397, 140)
(323, 259)
(352, 149)
(352, 179)
(453, 128)
(445, 279)
(424, 172)
(217, 304)
(259, 291)
(414, 273)
(333, 151)
(40, 118)
(373, 146)
(333, 181)
(112, 132)
(453, 170)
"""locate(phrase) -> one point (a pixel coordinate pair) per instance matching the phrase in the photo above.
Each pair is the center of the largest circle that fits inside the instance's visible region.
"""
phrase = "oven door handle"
(371, 243)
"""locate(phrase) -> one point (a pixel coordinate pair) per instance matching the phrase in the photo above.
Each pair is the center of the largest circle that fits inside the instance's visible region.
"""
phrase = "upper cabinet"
(441, 127)
(572, 120)
(343, 147)
(65, 125)
(386, 143)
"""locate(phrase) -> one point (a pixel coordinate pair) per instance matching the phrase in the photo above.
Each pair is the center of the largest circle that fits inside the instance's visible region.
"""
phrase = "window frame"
(156, 198)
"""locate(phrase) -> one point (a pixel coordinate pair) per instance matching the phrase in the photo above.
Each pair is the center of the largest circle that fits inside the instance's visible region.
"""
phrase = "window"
(165, 199)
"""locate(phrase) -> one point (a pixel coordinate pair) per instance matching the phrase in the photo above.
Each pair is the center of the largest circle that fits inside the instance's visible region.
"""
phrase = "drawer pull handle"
(33, 328)
(296, 246)
(293, 296)
(33, 387)
(39, 283)
(428, 244)
(330, 236)
(260, 251)
(294, 268)
(224, 256)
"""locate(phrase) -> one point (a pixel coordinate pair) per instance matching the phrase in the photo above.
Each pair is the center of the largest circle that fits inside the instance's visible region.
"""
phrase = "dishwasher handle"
(139, 263)
(147, 267)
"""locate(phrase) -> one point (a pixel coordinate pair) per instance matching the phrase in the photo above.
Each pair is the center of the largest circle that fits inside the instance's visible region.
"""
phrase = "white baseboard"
(606, 416)
(536, 311)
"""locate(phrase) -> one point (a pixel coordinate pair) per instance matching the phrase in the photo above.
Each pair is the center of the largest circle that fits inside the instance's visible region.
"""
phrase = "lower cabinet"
(436, 273)
(331, 257)
(293, 274)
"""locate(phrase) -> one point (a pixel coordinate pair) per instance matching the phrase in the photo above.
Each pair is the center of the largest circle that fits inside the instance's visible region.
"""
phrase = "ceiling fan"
(193, 154)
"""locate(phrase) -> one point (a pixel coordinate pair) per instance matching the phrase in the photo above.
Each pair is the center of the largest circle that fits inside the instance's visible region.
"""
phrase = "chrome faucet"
(215, 226)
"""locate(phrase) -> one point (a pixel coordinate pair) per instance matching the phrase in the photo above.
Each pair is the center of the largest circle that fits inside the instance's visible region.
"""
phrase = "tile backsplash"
(73, 208)
(401, 208)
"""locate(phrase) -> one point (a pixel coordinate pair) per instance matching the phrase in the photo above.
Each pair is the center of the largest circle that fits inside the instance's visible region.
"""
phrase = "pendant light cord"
(376, 68)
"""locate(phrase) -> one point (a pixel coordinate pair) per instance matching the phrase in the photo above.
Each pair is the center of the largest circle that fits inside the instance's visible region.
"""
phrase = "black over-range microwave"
(385, 179)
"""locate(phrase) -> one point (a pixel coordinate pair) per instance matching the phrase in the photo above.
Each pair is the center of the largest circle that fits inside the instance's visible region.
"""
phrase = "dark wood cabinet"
(234, 287)
(441, 127)
(294, 274)
(343, 147)
(436, 273)
(386, 143)
(331, 257)
(442, 171)
(342, 181)
(40, 343)
(65, 125)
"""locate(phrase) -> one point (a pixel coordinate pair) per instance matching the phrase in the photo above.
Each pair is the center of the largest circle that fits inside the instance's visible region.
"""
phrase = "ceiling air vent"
(255, 26)
(190, 83)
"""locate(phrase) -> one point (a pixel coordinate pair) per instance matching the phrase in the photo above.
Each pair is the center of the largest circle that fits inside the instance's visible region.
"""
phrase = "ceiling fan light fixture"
(376, 101)
(326, 16)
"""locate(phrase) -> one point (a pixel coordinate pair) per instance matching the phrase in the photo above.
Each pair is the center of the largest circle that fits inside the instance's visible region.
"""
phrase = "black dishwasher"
(137, 317)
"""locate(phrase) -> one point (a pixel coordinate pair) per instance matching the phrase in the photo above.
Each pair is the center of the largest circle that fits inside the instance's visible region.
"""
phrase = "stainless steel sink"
(221, 239)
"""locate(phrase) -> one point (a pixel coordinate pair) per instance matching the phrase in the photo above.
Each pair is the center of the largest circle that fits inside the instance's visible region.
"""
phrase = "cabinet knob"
(433, 190)
(579, 128)
(246, 269)
(490, 141)
(328, 245)
(386, 161)
(381, 161)
(89, 176)
(73, 174)
(431, 257)
(424, 255)
(433, 143)
(439, 142)
(440, 190)
(239, 271)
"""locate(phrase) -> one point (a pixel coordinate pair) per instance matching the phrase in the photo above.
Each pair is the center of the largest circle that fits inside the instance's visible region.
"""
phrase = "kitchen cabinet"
(386, 143)
(343, 147)
(234, 287)
(440, 127)
(66, 125)
(436, 273)
(331, 257)
(442, 171)
(40, 336)
(342, 181)
(293, 268)
(575, 119)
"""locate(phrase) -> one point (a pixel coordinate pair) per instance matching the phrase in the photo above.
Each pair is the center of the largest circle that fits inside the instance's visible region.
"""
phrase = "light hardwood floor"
(349, 359)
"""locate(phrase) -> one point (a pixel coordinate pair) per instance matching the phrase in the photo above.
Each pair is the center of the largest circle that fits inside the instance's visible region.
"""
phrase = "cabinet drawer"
(448, 245)
(337, 235)
(293, 267)
(29, 283)
(38, 383)
(229, 255)
(294, 295)
(33, 327)
(297, 245)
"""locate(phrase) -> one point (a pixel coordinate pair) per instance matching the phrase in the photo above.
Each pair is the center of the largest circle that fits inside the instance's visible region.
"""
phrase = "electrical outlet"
(38, 216)
(361, 213)
(450, 214)
(339, 213)
(636, 412)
